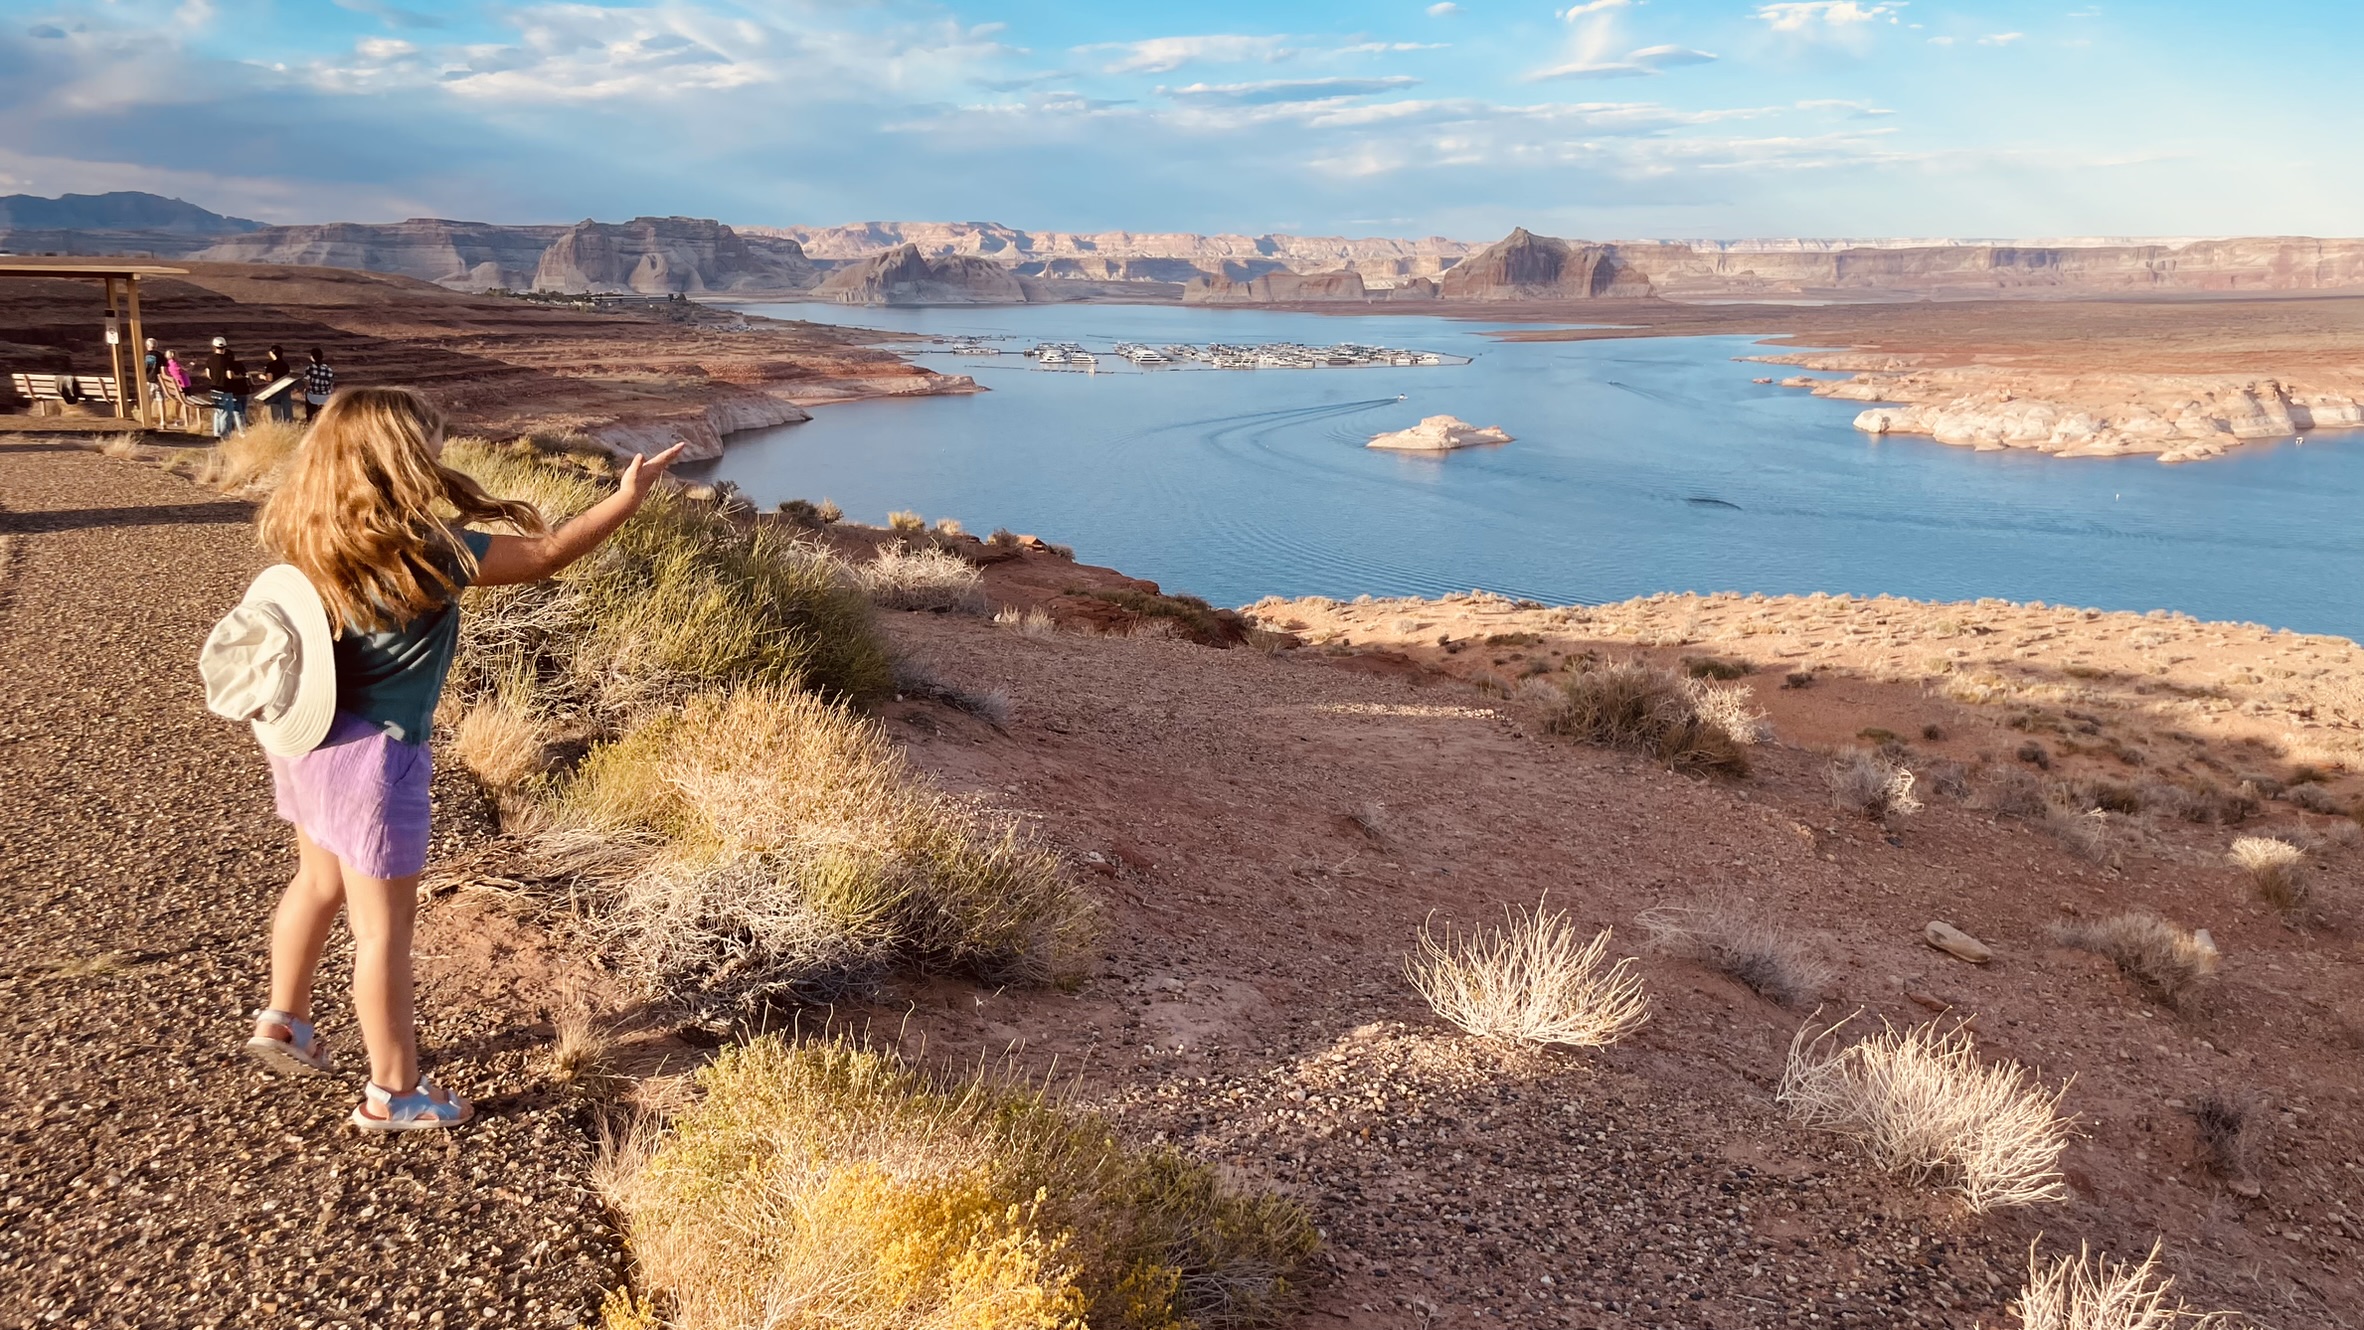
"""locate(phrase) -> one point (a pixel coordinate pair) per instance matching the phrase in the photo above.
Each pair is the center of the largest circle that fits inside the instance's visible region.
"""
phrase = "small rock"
(1956, 943)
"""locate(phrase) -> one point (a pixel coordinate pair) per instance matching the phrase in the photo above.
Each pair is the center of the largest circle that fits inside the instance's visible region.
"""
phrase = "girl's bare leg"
(382, 912)
(299, 931)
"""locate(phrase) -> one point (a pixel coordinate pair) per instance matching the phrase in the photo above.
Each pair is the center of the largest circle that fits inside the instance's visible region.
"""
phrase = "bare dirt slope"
(151, 1176)
(1274, 829)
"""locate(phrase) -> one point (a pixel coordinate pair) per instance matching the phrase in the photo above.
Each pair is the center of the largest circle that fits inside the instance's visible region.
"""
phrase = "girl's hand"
(642, 472)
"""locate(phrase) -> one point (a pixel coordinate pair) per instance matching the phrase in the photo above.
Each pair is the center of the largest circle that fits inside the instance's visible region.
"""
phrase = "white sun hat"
(270, 662)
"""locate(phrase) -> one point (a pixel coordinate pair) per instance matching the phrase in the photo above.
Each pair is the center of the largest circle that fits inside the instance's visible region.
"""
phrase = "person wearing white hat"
(337, 658)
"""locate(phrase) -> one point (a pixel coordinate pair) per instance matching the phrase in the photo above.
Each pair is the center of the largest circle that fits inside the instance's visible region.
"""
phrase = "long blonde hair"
(362, 511)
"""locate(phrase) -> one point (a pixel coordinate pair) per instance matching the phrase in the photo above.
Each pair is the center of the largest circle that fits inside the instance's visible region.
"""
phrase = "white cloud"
(2001, 38)
(1648, 60)
(383, 48)
(1442, 8)
(1575, 12)
(1159, 55)
(1389, 48)
(1807, 15)
(1854, 109)
(1284, 92)
(1941, 41)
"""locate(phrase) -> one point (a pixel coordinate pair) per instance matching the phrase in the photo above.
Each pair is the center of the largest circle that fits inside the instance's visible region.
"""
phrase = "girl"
(361, 514)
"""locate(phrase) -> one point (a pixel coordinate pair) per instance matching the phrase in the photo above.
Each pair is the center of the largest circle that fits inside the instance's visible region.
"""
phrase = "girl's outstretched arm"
(514, 559)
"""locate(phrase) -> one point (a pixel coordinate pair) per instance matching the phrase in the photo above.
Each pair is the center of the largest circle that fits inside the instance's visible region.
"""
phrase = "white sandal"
(427, 1108)
(301, 1053)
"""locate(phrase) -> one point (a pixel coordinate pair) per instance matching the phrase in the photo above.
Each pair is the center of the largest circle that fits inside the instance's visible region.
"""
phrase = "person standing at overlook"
(319, 382)
(225, 378)
(338, 656)
(281, 406)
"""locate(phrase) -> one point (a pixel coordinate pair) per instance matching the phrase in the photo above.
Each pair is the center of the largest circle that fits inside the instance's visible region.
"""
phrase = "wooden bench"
(42, 391)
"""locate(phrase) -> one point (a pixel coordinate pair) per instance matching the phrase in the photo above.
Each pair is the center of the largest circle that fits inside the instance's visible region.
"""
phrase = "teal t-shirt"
(393, 679)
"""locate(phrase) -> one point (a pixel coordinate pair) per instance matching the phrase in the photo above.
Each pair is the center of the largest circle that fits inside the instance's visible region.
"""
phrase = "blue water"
(1641, 465)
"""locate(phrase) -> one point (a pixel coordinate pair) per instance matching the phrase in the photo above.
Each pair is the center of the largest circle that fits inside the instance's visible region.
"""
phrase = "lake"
(1641, 465)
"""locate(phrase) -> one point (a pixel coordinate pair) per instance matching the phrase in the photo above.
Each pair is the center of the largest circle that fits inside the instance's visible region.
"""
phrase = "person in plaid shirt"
(319, 382)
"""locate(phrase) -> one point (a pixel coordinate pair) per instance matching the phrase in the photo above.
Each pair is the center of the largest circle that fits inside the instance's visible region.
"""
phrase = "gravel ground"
(150, 1176)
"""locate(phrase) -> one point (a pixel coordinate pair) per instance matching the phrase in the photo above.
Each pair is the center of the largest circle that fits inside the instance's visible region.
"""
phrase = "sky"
(1601, 119)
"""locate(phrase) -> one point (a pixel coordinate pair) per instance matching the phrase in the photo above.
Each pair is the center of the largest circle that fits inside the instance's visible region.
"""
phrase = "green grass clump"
(767, 842)
(680, 599)
(830, 1184)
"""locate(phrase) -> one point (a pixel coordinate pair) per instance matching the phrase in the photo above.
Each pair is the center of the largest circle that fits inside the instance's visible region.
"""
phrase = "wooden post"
(115, 348)
(139, 356)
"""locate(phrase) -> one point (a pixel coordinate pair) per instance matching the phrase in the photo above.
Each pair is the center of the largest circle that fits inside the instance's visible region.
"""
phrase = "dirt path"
(148, 1175)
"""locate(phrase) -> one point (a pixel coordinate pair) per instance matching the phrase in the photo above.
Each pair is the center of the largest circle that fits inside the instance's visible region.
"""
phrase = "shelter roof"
(89, 270)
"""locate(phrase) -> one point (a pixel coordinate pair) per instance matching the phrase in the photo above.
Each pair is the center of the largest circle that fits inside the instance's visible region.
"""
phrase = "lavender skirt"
(361, 795)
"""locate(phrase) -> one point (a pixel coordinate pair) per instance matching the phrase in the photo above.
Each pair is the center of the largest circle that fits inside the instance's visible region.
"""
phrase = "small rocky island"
(1437, 434)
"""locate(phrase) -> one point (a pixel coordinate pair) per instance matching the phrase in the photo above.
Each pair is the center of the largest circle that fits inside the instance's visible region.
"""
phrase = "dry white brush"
(1872, 785)
(1533, 981)
(1923, 1105)
(922, 579)
(2084, 1292)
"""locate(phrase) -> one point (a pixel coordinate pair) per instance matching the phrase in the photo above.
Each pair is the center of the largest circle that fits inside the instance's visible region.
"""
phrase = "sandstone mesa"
(2175, 417)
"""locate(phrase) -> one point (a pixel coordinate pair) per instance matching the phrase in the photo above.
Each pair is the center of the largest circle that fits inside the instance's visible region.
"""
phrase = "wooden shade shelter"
(125, 340)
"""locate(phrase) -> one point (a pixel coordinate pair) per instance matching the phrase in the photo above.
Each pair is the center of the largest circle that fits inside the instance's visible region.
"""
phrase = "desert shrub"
(2204, 802)
(2165, 961)
(1190, 617)
(251, 460)
(917, 678)
(828, 1184)
(926, 579)
(2035, 755)
(2015, 793)
(802, 512)
(1035, 623)
(1923, 1105)
(1533, 981)
(128, 444)
(1732, 709)
(2229, 1131)
(1873, 786)
(2275, 868)
(1647, 709)
(1514, 639)
(680, 599)
(2315, 799)
(1743, 943)
(582, 1050)
(1947, 777)
(1716, 667)
(829, 513)
(909, 523)
(766, 842)
(2083, 1292)
(2093, 835)
(497, 738)
(949, 527)
(2107, 795)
